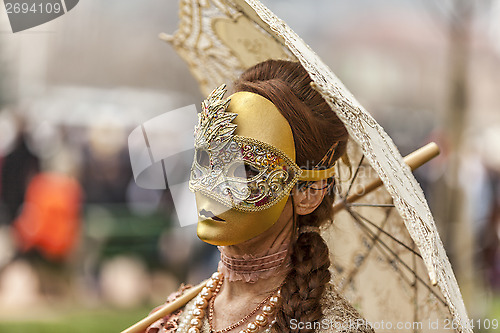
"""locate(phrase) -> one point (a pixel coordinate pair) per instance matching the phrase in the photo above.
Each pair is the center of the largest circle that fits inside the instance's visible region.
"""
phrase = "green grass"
(95, 321)
(495, 308)
(103, 320)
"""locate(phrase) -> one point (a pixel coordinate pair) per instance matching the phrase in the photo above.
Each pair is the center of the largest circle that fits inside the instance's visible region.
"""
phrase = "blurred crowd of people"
(72, 218)
(478, 192)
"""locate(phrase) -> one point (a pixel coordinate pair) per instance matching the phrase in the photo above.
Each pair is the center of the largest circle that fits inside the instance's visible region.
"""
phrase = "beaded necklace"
(206, 297)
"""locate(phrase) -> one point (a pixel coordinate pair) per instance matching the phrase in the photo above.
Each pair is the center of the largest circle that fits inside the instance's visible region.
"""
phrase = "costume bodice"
(338, 316)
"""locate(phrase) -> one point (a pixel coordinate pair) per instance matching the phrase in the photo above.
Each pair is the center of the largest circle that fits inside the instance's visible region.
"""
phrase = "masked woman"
(263, 177)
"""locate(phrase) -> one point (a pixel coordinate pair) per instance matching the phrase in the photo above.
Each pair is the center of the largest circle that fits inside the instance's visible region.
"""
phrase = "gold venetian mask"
(244, 167)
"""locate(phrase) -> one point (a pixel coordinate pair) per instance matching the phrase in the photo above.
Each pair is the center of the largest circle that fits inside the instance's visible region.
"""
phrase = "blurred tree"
(452, 215)
(457, 237)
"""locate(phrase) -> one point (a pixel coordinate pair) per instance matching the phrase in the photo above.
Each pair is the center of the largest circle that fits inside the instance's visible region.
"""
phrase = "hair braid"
(305, 283)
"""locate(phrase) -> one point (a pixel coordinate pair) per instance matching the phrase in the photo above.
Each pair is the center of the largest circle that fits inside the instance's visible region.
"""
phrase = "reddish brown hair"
(315, 129)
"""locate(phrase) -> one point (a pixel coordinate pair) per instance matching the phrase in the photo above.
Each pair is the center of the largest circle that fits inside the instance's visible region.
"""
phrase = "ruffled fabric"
(250, 268)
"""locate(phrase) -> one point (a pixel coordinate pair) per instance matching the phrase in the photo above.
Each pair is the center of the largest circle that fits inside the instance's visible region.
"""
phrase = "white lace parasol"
(219, 39)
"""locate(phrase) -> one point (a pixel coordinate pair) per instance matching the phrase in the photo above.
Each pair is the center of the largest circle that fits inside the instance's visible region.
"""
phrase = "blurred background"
(82, 248)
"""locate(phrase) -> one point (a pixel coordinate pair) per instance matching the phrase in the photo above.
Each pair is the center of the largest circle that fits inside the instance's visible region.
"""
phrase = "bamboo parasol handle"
(414, 160)
(166, 309)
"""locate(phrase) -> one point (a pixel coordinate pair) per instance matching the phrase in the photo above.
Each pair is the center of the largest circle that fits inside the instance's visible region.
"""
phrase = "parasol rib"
(414, 160)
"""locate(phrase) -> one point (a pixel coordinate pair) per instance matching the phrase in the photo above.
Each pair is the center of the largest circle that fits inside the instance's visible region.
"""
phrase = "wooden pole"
(166, 309)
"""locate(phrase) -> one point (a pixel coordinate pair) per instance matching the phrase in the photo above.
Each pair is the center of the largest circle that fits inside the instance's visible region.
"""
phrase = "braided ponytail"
(304, 284)
(315, 129)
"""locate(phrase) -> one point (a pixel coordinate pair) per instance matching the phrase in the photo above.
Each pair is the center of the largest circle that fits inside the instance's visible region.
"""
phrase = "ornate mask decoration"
(240, 172)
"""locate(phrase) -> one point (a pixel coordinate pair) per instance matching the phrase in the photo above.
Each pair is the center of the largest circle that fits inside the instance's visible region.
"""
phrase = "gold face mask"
(244, 167)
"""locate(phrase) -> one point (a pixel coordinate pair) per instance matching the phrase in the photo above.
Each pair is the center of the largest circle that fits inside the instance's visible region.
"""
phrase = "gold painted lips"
(208, 214)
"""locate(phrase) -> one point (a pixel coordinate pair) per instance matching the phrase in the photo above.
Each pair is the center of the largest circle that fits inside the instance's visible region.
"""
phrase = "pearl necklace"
(194, 319)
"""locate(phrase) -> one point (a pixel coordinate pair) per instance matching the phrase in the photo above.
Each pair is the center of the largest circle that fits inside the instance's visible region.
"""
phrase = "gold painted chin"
(212, 232)
(236, 227)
